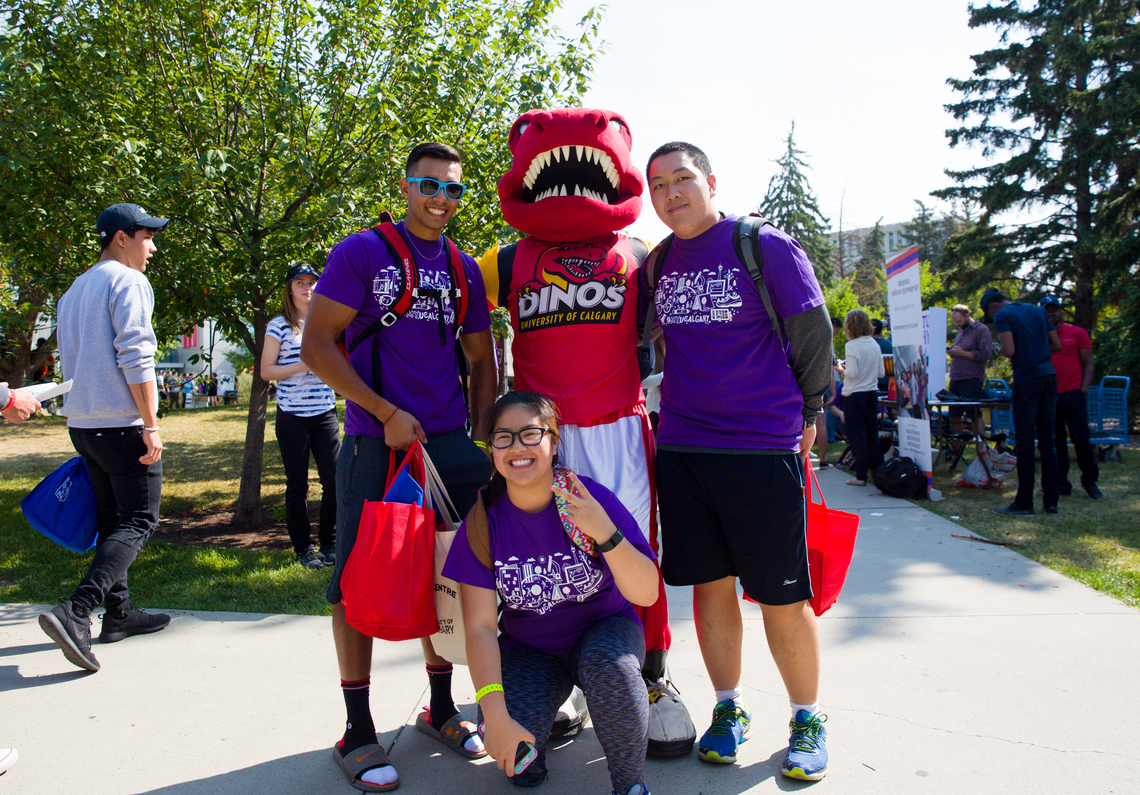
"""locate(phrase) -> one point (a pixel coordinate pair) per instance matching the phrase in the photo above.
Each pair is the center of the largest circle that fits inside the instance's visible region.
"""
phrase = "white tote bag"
(449, 642)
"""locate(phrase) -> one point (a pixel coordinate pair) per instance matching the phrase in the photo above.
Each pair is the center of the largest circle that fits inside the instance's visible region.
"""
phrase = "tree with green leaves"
(792, 207)
(870, 279)
(1054, 108)
(930, 233)
(268, 132)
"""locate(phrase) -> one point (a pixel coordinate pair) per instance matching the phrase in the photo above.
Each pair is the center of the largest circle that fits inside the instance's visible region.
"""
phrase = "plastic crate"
(1001, 420)
(1108, 410)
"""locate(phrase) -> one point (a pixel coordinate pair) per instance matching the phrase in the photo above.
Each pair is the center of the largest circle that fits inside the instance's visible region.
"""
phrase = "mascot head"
(572, 177)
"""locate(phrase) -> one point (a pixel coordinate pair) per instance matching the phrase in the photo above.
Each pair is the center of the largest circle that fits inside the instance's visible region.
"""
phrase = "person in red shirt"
(1074, 366)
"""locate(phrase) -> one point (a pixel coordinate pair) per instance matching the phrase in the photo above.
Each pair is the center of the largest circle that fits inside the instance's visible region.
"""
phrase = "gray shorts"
(362, 471)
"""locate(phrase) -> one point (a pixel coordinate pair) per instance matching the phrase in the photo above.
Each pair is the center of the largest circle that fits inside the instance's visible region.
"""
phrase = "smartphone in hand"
(524, 755)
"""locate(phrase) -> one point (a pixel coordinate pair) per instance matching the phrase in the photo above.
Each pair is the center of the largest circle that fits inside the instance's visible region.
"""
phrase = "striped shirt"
(976, 339)
(302, 394)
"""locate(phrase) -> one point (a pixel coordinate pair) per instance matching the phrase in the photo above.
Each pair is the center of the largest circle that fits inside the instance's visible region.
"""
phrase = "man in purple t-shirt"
(738, 412)
(416, 394)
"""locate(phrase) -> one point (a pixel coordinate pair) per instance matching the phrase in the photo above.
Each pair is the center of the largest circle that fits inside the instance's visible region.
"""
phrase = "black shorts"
(726, 515)
(967, 389)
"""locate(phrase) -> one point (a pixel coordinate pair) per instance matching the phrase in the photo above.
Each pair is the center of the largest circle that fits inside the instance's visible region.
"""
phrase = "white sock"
(474, 743)
(380, 776)
(811, 709)
(734, 694)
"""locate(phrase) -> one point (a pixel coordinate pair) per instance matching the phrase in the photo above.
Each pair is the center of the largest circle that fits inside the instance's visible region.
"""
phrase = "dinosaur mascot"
(571, 288)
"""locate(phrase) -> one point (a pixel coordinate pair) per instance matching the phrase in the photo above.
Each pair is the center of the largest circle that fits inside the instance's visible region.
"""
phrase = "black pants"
(861, 415)
(127, 494)
(297, 437)
(1034, 414)
(1072, 413)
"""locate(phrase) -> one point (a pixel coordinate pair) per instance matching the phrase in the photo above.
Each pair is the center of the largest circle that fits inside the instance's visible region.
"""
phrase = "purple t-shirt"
(417, 374)
(552, 592)
(728, 384)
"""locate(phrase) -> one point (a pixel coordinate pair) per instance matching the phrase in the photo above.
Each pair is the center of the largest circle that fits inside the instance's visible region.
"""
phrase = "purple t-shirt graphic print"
(727, 383)
(552, 591)
(417, 374)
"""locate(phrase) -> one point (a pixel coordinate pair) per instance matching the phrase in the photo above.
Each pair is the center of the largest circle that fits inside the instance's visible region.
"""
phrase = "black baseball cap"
(988, 297)
(124, 216)
(300, 269)
(1049, 300)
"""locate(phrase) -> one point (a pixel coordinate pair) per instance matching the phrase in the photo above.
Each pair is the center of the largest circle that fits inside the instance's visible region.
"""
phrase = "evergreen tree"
(931, 233)
(927, 232)
(1065, 76)
(791, 206)
(870, 282)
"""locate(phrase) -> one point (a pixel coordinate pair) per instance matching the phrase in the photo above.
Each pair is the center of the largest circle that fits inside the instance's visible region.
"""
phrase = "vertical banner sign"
(912, 381)
(934, 341)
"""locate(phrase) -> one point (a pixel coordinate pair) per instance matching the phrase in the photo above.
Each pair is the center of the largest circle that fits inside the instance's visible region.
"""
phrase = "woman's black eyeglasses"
(501, 440)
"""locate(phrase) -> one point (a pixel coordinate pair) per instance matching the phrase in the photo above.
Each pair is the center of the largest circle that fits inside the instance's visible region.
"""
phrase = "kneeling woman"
(567, 559)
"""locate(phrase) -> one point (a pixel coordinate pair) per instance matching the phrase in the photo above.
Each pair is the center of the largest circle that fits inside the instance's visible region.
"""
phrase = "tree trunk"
(247, 517)
(1084, 255)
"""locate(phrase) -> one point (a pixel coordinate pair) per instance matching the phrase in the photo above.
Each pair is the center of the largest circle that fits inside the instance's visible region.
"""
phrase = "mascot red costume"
(571, 288)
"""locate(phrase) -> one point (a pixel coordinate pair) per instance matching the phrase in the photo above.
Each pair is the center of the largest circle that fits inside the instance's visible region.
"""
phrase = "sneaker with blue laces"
(636, 789)
(730, 725)
(807, 748)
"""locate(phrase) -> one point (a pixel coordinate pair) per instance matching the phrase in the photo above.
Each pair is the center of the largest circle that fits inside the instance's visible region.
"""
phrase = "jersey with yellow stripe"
(573, 311)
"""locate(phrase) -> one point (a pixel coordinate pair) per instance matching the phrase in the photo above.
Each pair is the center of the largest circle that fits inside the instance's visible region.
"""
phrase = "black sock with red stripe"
(359, 729)
(442, 706)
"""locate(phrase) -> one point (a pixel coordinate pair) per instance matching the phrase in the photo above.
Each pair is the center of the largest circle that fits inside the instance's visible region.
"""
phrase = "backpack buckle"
(388, 319)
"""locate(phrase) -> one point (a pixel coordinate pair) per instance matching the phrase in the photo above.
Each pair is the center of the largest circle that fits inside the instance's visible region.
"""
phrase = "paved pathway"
(950, 667)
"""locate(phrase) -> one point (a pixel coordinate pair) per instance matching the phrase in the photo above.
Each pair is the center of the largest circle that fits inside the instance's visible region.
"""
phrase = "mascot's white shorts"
(618, 453)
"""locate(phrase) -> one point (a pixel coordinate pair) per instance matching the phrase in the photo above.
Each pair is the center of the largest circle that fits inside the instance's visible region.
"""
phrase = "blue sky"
(865, 84)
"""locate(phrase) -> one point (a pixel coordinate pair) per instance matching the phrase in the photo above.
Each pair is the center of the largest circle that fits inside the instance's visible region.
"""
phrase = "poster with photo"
(912, 380)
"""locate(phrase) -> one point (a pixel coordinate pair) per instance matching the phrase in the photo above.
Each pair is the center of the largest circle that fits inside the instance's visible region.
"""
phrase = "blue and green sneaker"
(729, 729)
(807, 748)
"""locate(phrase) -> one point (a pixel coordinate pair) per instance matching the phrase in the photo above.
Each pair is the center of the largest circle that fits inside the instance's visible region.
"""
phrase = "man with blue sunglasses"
(402, 385)
(430, 187)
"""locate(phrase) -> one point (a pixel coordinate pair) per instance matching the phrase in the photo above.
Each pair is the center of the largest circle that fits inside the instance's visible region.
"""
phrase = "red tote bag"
(831, 543)
(388, 582)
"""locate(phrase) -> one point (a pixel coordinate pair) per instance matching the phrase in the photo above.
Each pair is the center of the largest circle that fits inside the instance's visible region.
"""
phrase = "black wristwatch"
(613, 541)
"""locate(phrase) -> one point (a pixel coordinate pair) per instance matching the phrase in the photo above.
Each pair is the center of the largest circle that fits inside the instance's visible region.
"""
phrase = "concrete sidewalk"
(949, 667)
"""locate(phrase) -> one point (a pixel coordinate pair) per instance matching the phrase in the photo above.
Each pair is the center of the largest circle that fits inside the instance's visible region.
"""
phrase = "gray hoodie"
(106, 342)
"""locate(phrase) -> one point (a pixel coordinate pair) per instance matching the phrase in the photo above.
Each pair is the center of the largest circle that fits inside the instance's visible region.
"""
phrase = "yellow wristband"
(488, 689)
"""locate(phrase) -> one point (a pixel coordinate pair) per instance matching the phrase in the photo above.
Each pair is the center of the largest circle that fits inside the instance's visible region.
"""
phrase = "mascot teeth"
(574, 167)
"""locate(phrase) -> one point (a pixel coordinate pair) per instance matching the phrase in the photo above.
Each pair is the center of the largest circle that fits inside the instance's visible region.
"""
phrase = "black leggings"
(606, 663)
(297, 436)
(861, 415)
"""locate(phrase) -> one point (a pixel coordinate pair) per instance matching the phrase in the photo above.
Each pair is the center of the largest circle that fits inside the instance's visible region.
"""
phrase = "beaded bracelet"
(488, 689)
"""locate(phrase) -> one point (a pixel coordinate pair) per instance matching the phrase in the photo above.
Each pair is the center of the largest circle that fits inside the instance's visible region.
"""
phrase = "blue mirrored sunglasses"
(430, 187)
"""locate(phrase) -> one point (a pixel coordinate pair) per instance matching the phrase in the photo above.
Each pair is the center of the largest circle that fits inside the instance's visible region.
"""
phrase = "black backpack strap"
(652, 268)
(746, 241)
(505, 261)
(640, 250)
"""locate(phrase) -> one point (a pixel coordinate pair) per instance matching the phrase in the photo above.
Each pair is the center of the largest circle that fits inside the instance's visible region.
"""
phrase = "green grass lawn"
(1094, 541)
(201, 463)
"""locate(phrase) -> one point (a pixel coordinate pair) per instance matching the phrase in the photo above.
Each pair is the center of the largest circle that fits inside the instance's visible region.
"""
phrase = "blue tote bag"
(62, 507)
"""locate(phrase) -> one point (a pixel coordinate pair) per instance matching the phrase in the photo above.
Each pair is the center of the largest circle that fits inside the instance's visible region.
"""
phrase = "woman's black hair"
(547, 412)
